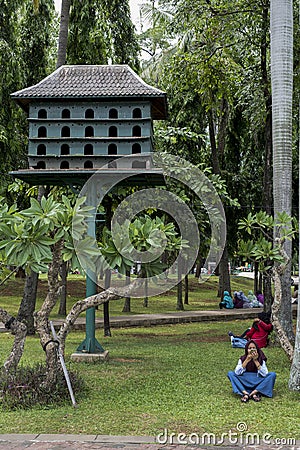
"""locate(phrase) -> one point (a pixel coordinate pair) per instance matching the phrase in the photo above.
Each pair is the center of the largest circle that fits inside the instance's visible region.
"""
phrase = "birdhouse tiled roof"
(96, 83)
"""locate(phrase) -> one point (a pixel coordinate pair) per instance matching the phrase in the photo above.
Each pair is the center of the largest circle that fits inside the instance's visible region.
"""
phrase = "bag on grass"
(237, 342)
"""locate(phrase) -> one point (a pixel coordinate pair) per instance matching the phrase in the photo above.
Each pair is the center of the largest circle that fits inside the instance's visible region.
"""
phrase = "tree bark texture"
(224, 276)
(62, 311)
(179, 305)
(146, 298)
(217, 153)
(42, 316)
(282, 96)
(63, 33)
(19, 330)
(267, 290)
(106, 323)
(267, 200)
(294, 380)
(281, 334)
(186, 290)
(127, 306)
(27, 306)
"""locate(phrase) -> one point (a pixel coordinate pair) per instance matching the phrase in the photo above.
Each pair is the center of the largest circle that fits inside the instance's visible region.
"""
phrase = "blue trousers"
(249, 381)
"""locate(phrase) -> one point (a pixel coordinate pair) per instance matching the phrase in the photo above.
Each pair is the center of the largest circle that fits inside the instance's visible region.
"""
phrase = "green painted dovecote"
(84, 117)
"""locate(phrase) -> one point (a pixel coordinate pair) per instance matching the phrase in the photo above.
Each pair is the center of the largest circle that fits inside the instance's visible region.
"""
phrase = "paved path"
(99, 442)
(147, 320)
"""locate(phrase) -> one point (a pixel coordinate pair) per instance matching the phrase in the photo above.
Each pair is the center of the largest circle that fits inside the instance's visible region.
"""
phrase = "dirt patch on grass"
(15, 288)
(126, 360)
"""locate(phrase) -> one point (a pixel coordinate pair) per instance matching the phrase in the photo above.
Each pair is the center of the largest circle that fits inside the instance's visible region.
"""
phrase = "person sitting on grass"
(259, 332)
(227, 301)
(251, 378)
(254, 303)
(260, 297)
(240, 300)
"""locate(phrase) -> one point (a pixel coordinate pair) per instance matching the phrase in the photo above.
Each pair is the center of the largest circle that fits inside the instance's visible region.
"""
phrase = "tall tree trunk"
(282, 336)
(146, 297)
(256, 275)
(62, 311)
(223, 267)
(179, 305)
(126, 307)
(267, 200)
(213, 144)
(267, 291)
(63, 33)
(106, 323)
(282, 96)
(224, 276)
(186, 289)
(27, 306)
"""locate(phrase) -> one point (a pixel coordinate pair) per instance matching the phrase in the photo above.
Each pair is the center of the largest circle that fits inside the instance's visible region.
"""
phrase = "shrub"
(26, 388)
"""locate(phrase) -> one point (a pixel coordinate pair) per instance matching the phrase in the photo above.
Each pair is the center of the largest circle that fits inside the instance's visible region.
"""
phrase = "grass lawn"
(201, 296)
(170, 377)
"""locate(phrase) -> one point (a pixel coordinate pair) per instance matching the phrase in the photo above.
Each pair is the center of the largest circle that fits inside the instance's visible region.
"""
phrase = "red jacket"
(260, 336)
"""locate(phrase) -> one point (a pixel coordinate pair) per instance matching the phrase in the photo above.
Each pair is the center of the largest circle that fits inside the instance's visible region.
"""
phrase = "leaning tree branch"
(278, 271)
(92, 301)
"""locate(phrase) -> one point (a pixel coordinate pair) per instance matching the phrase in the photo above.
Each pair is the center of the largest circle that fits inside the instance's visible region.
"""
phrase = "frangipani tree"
(264, 248)
(37, 239)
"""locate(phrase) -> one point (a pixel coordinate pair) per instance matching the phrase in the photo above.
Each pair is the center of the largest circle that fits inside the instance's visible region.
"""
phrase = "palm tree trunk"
(63, 33)
(282, 96)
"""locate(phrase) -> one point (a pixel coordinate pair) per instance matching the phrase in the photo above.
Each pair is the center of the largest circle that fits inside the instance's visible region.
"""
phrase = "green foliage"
(262, 248)
(27, 235)
(101, 32)
(144, 234)
(217, 64)
(38, 31)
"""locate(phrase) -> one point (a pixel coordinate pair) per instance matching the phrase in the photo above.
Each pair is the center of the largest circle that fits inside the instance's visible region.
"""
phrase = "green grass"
(201, 296)
(170, 377)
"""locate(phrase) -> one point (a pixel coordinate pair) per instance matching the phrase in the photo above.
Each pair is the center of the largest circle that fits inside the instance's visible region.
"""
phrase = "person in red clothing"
(259, 332)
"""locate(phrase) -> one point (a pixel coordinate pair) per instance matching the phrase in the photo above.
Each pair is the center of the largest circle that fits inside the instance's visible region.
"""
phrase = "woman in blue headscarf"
(227, 301)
